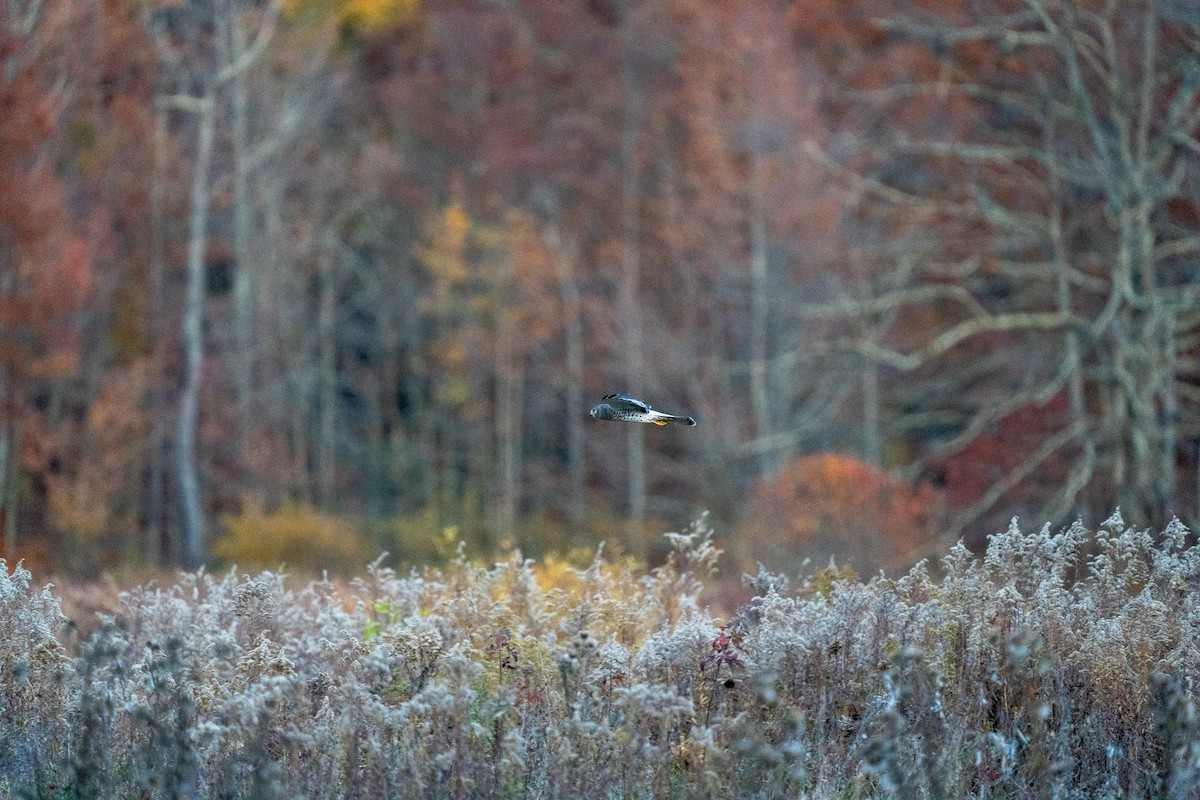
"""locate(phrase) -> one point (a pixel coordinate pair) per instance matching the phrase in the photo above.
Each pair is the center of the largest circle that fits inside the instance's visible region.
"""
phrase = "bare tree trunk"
(1107, 139)
(573, 329)
(191, 508)
(243, 277)
(8, 431)
(1072, 495)
(422, 414)
(232, 65)
(510, 380)
(301, 401)
(510, 386)
(872, 439)
(326, 380)
(156, 461)
(628, 311)
(759, 399)
(1169, 414)
(8, 485)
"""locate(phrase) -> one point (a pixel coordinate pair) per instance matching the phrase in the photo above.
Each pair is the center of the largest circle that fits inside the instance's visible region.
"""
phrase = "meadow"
(1060, 664)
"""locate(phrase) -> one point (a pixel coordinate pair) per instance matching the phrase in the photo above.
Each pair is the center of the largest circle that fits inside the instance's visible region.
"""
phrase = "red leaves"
(724, 651)
(502, 651)
(724, 657)
(45, 267)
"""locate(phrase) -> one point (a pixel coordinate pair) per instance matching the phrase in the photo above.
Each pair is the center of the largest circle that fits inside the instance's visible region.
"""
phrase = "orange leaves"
(100, 458)
(59, 282)
(45, 270)
(44, 288)
(836, 505)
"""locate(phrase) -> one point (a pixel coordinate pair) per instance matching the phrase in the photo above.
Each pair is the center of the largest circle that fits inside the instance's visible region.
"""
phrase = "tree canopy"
(362, 266)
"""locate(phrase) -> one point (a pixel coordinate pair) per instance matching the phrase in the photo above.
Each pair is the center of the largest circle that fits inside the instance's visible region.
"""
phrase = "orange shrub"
(830, 505)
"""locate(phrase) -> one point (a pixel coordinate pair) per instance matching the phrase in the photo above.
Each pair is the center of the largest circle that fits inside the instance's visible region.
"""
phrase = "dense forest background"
(300, 281)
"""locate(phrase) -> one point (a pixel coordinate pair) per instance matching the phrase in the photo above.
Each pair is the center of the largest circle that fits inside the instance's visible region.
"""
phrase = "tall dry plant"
(1057, 665)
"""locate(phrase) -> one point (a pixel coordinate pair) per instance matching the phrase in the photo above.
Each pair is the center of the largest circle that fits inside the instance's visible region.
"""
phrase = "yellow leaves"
(363, 16)
(489, 274)
(79, 508)
(554, 572)
(419, 538)
(568, 573)
(296, 535)
(507, 254)
(488, 299)
(445, 255)
(376, 14)
(453, 391)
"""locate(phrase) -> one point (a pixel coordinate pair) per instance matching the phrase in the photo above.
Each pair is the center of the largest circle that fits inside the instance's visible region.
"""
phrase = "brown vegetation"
(1037, 670)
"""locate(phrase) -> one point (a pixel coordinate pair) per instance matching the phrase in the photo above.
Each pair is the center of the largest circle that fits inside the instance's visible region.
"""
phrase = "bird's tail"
(664, 419)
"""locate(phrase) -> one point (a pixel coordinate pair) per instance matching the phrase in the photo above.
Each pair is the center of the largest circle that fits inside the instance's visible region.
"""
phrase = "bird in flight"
(622, 407)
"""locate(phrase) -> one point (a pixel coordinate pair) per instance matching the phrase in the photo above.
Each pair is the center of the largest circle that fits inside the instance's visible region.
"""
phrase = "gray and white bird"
(623, 408)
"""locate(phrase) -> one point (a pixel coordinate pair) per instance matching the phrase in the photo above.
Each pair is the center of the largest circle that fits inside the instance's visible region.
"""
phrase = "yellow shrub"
(295, 536)
(367, 16)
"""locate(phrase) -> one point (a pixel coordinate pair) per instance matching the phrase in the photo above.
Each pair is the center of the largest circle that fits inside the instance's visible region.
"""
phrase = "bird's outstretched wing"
(625, 403)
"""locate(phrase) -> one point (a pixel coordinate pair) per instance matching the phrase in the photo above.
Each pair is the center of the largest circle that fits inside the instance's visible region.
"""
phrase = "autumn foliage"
(295, 536)
(836, 506)
(374, 259)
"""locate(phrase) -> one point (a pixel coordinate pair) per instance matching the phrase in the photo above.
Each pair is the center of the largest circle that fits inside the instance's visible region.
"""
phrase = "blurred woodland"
(304, 280)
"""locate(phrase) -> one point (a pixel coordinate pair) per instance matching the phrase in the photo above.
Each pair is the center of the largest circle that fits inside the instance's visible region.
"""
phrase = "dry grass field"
(1059, 665)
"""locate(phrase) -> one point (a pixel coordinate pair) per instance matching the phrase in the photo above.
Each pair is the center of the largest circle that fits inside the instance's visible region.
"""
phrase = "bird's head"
(602, 411)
